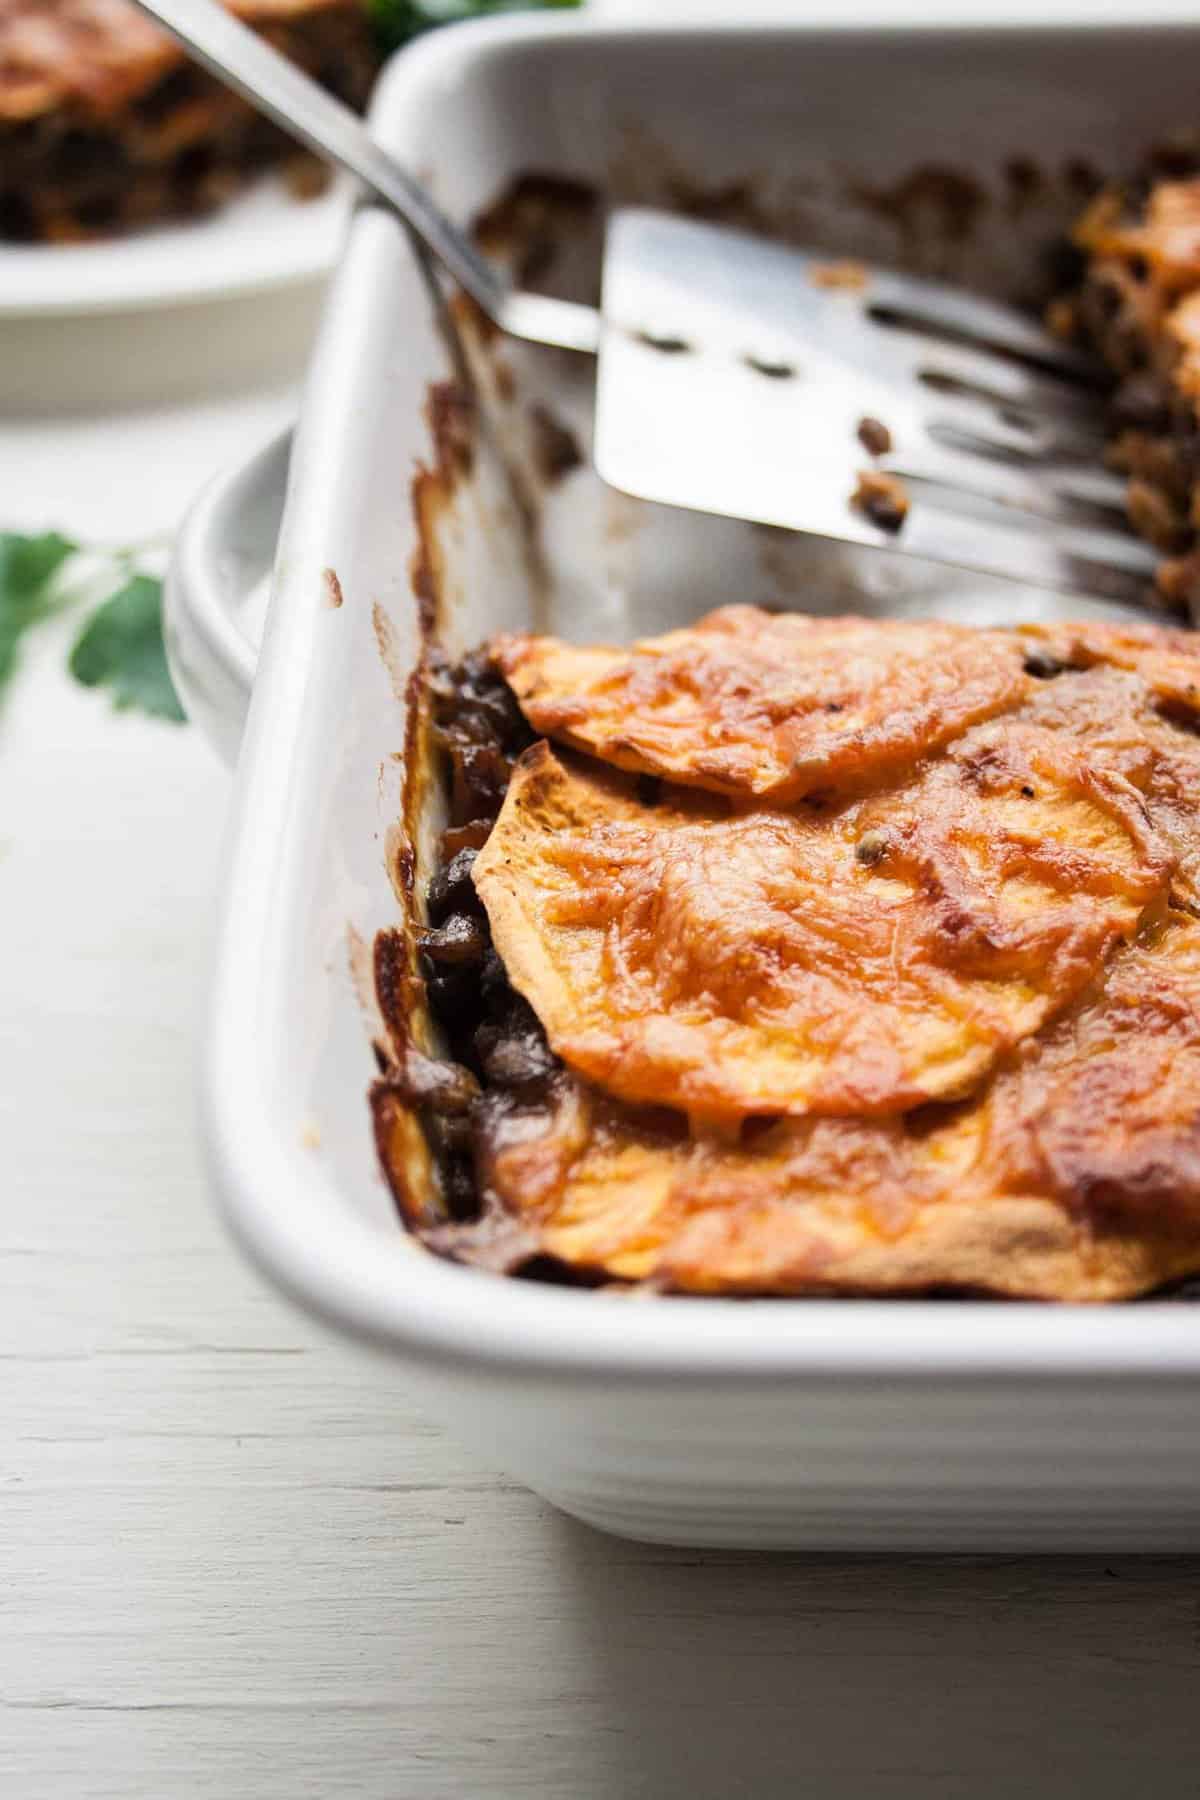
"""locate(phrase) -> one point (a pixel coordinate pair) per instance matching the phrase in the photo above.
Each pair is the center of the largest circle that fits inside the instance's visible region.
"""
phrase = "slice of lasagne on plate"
(105, 124)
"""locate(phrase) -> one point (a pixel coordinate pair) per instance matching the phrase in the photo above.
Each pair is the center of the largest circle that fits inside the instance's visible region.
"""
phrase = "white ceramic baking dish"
(844, 1424)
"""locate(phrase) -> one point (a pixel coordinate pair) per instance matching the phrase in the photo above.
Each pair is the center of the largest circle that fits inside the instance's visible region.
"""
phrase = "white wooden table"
(236, 1562)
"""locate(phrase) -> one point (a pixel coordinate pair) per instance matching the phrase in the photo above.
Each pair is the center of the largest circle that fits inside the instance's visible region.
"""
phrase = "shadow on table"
(727, 1673)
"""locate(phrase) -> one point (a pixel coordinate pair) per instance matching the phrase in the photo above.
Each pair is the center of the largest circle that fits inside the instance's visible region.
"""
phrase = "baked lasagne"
(792, 955)
(1138, 306)
(104, 123)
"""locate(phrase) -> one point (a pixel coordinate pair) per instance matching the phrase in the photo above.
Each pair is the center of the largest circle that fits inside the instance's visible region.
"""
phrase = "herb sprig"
(396, 21)
(120, 643)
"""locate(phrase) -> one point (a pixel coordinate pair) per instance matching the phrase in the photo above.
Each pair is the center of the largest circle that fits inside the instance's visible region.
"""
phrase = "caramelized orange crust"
(1122, 722)
(98, 54)
(1138, 307)
(932, 1023)
(861, 959)
(1163, 235)
(104, 124)
(1074, 1175)
(776, 706)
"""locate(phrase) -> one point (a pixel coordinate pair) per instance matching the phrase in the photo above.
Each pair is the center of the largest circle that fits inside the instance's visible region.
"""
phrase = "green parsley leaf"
(28, 566)
(121, 648)
(28, 563)
(396, 21)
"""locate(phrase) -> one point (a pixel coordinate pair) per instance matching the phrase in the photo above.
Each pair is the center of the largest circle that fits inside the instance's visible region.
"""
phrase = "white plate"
(266, 238)
(855, 13)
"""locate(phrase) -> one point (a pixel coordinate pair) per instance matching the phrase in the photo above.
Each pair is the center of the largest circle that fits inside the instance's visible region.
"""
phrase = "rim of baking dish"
(283, 1203)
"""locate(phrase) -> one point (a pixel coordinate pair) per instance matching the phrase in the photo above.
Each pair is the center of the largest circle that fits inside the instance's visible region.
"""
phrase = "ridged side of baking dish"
(819, 1424)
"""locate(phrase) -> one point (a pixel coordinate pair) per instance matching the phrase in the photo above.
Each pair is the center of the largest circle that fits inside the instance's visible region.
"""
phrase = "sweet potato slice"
(775, 706)
(864, 958)
(1075, 1175)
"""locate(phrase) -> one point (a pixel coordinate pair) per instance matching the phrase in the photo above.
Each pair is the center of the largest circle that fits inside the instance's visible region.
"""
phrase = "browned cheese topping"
(1074, 1176)
(736, 963)
(105, 124)
(833, 956)
(98, 53)
(779, 706)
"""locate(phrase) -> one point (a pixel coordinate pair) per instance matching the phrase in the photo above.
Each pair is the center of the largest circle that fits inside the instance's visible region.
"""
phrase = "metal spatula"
(735, 376)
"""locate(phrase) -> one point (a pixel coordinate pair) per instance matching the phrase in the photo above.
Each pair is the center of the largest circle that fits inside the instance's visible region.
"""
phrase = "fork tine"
(1063, 494)
(962, 415)
(1091, 484)
(981, 323)
(1043, 560)
(938, 363)
(954, 416)
(1056, 496)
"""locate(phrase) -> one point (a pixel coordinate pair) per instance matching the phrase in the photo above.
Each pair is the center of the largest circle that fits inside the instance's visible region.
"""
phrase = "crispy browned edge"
(405, 1155)
(520, 222)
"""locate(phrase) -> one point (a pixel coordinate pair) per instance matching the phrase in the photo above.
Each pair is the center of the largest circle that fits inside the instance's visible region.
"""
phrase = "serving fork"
(742, 377)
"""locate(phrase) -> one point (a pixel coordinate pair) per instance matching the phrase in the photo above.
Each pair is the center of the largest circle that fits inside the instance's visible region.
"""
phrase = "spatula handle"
(276, 87)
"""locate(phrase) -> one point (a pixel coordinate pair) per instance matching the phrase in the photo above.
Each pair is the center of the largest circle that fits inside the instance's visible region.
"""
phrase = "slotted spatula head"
(736, 375)
(735, 378)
